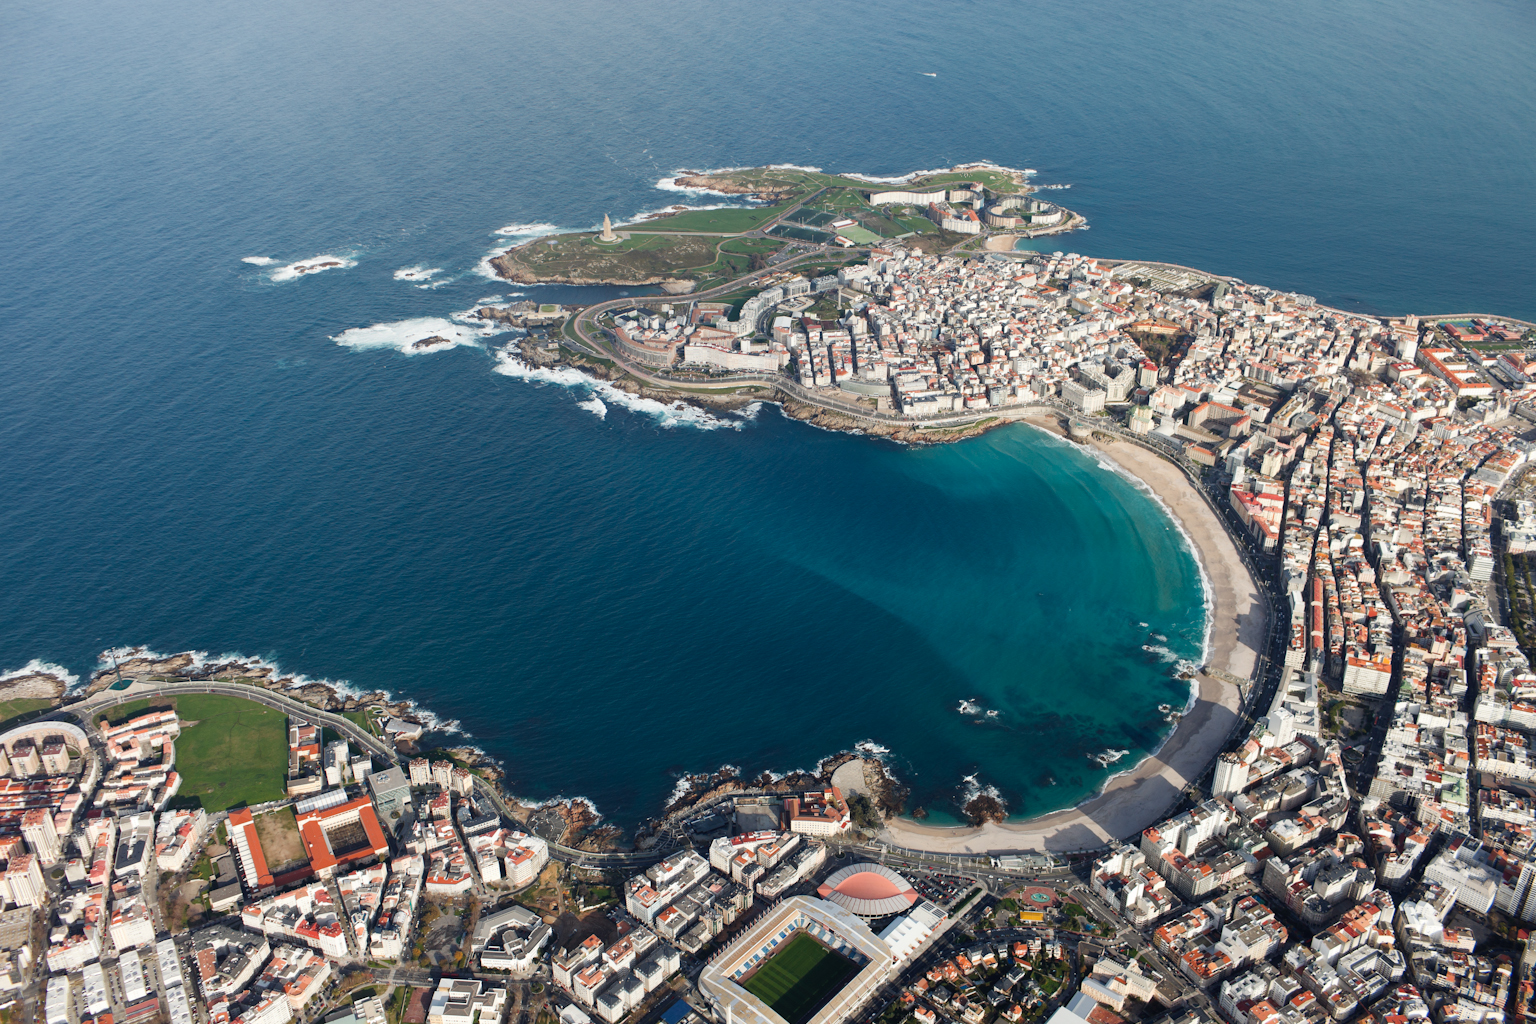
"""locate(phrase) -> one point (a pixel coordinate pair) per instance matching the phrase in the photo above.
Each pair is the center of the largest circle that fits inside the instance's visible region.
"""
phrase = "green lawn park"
(10, 709)
(237, 753)
(799, 977)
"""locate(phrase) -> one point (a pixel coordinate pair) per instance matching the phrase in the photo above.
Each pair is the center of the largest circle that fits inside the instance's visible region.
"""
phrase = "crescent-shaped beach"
(1135, 799)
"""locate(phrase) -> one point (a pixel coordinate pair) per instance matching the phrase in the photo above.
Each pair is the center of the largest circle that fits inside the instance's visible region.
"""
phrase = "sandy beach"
(1141, 796)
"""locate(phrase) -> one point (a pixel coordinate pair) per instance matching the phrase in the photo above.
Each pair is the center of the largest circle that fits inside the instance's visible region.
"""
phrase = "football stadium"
(806, 961)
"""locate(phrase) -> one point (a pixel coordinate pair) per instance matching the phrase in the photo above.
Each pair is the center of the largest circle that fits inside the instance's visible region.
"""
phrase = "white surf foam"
(514, 235)
(294, 680)
(595, 406)
(1163, 653)
(531, 230)
(971, 788)
(869, 748)
(671, 185)
(658, 214)
(682, 788)
(554, 801)
(403, 335)
(901, 179)
(38, 667)
(665, 414)
(969, 707)
(311, 267)
(260, 261)
(417, 273)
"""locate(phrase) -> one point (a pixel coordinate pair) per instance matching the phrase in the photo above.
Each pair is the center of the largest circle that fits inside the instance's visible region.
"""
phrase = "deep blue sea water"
(187, 460)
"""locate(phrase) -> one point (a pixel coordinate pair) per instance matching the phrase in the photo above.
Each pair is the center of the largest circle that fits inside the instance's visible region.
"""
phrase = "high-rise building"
(42, 838)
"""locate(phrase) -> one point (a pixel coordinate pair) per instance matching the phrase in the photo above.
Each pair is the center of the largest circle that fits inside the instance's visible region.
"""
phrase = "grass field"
(748, 246)
(9, 709)
(639, 257)
(237, 753)
(798, 979)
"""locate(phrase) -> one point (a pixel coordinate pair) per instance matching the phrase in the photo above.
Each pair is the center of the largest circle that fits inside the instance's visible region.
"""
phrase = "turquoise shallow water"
(189, 461)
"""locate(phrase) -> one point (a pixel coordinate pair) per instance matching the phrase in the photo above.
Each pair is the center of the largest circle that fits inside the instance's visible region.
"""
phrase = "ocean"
(605, 594)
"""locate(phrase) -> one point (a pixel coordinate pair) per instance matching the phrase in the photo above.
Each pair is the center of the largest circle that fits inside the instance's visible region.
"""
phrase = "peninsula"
(794, 211)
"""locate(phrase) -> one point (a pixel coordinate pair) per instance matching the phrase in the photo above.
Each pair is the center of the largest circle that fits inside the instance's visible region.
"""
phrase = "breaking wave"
(260, 261)
(532, 230)
(38, 667)
(310, 267)
(970, 789)
(665, 414)
(417, 273)
(202, 663)
(422, 334)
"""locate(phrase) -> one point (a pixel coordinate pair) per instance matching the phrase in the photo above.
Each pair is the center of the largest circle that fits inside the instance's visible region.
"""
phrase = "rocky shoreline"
(814, 415)
(886, 793)
(33, 685)
(572, 822)
(509, 269)
(830, 419)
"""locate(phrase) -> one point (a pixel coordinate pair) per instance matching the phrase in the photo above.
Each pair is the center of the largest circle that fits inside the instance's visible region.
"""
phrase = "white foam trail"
(683, 787)
(532, 230)
(1108, 757)
(969, 165)
(254, 664)
(1162, 652)
(970, 789)
(539, 805)
(260, 261)
(660, 214)
(514, 235)
(404, 335)
(671, 185)
(417, 273)
(595, 406)
(869, 748)
(665, 414)
(38, 667)
(311, 267)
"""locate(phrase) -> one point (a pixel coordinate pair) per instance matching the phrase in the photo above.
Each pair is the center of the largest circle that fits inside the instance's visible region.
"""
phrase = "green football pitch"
(798, 979)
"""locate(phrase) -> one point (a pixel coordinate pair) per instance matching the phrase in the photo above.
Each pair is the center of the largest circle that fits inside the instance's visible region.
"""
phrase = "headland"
(793, 211)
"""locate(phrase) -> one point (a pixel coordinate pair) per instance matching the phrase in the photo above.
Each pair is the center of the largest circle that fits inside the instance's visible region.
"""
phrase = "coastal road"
(86, 709)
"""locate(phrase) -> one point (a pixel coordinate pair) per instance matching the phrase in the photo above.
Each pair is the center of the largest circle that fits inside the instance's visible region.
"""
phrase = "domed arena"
(869, 890)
